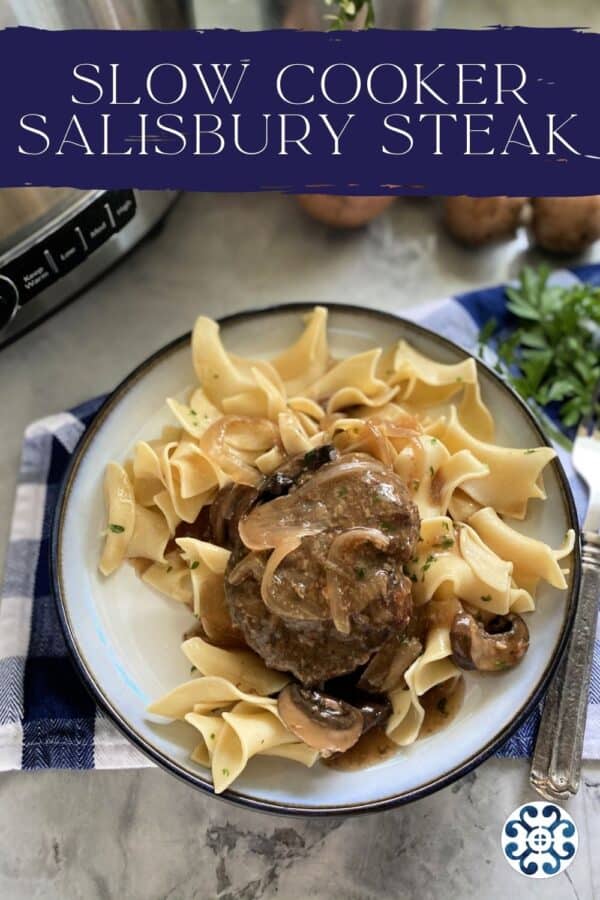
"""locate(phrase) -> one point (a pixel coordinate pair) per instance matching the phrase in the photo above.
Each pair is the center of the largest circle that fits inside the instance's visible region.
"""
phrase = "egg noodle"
(424, 418)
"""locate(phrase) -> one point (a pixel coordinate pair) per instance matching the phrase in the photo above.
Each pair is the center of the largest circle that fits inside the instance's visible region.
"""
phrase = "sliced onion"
(280, 519)
(288, 545)
(369, 439)
(281, 524)
(342, 601)
(214, 442)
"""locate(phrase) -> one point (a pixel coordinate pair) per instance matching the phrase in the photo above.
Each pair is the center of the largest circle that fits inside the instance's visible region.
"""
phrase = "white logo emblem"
(539, 839)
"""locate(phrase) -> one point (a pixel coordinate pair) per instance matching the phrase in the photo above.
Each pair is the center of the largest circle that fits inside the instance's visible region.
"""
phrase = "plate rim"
(231, 795)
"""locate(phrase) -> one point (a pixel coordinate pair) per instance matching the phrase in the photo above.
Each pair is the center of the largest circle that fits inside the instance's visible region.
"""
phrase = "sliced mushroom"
(499, 644)
(281, 482)
(316, 458)
(375, 711)
(226, 510)
(386, 669)
(276, 485)
(321, 721)
(373, 704)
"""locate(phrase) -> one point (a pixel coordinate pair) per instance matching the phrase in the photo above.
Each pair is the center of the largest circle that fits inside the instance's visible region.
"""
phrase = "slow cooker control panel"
(37, 268)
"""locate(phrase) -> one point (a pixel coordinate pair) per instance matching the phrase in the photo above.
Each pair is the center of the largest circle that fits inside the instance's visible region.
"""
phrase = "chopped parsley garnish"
(552, 356)
(116, 529)
(347, 10)
(225, 771)
(343, 492)
(195, 564)
(459, 379)
(360, 573)
(446, 543)
(432, 471)
(413, 577)
(169, 569)
(445, 526)
(416, 485)
(212, 735)
(193, 669)
(433, 440)
(487, 598)
(527, 452)
(426, 566)
(500, 664)
(442, 706)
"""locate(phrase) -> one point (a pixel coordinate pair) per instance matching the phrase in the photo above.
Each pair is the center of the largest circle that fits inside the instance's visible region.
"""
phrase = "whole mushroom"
(321, 721)
(566, 224)
(499, 644)
(478, 220)
(343, 211)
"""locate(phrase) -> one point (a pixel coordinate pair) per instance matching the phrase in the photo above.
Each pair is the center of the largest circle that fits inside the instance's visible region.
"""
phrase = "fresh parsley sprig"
(347, 11)
(553, 356)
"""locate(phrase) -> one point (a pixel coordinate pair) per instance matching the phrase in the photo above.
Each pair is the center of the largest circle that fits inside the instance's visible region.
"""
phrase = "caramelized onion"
(342, 600)
(403, 437)
(215, 444)
(369, 439)
(281, 524)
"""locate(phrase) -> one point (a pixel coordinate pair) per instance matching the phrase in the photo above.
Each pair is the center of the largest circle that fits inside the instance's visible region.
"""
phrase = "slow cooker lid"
(23, 211)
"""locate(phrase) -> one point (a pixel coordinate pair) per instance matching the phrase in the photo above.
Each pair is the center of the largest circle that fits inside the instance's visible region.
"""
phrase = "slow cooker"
(55, 241)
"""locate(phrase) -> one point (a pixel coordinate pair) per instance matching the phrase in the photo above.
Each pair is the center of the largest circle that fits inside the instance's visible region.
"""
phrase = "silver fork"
(556, 764)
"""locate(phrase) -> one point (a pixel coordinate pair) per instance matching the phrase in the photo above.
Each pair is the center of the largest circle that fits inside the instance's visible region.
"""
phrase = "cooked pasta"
(239, 431)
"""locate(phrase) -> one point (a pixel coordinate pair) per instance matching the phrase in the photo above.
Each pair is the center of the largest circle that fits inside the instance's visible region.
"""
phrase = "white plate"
(125, 637)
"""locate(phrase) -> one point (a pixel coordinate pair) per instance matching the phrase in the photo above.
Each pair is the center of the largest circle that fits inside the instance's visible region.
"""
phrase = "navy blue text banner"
(501, 111)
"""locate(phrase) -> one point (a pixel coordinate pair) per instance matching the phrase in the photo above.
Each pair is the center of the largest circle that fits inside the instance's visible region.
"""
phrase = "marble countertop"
(142, 834)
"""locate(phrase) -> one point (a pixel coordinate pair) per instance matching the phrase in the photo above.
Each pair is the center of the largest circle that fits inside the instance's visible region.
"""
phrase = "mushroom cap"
(478, 220)
(566, 224)
(343, 211)
(499, 644)
(386, 669)
(320, 721)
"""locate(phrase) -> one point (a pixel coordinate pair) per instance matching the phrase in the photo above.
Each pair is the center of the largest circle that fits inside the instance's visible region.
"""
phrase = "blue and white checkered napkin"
(47, 718)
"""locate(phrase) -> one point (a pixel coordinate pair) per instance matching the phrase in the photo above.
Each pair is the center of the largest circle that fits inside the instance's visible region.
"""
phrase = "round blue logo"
(539, 839)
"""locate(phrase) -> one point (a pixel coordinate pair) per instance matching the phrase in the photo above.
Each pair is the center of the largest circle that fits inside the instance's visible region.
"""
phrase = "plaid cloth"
(47, 718)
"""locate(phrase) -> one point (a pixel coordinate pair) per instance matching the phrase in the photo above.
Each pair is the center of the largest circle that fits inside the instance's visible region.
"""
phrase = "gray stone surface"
(143, 834)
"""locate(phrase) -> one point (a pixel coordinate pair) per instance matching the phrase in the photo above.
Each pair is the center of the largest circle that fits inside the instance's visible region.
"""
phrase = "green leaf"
(116, 529)
(487, 331)
(553, 354)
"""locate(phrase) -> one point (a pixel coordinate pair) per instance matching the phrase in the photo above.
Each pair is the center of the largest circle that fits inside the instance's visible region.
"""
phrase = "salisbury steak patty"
(338, 592)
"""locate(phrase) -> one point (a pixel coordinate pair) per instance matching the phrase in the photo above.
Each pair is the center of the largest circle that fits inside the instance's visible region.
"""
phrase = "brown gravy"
(372, 748)
(441, 704)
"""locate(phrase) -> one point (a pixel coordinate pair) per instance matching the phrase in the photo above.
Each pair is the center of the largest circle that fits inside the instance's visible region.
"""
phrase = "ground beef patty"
(365, 527)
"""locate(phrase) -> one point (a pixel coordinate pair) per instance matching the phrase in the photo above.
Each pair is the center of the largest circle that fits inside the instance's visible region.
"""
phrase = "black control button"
(66, 249)
(32, 272)
(9, 297)
(95, 225)
(122, 205)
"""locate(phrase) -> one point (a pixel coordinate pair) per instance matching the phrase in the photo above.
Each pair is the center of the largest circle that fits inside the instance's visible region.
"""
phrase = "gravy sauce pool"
(441, 704)
(370, 749)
